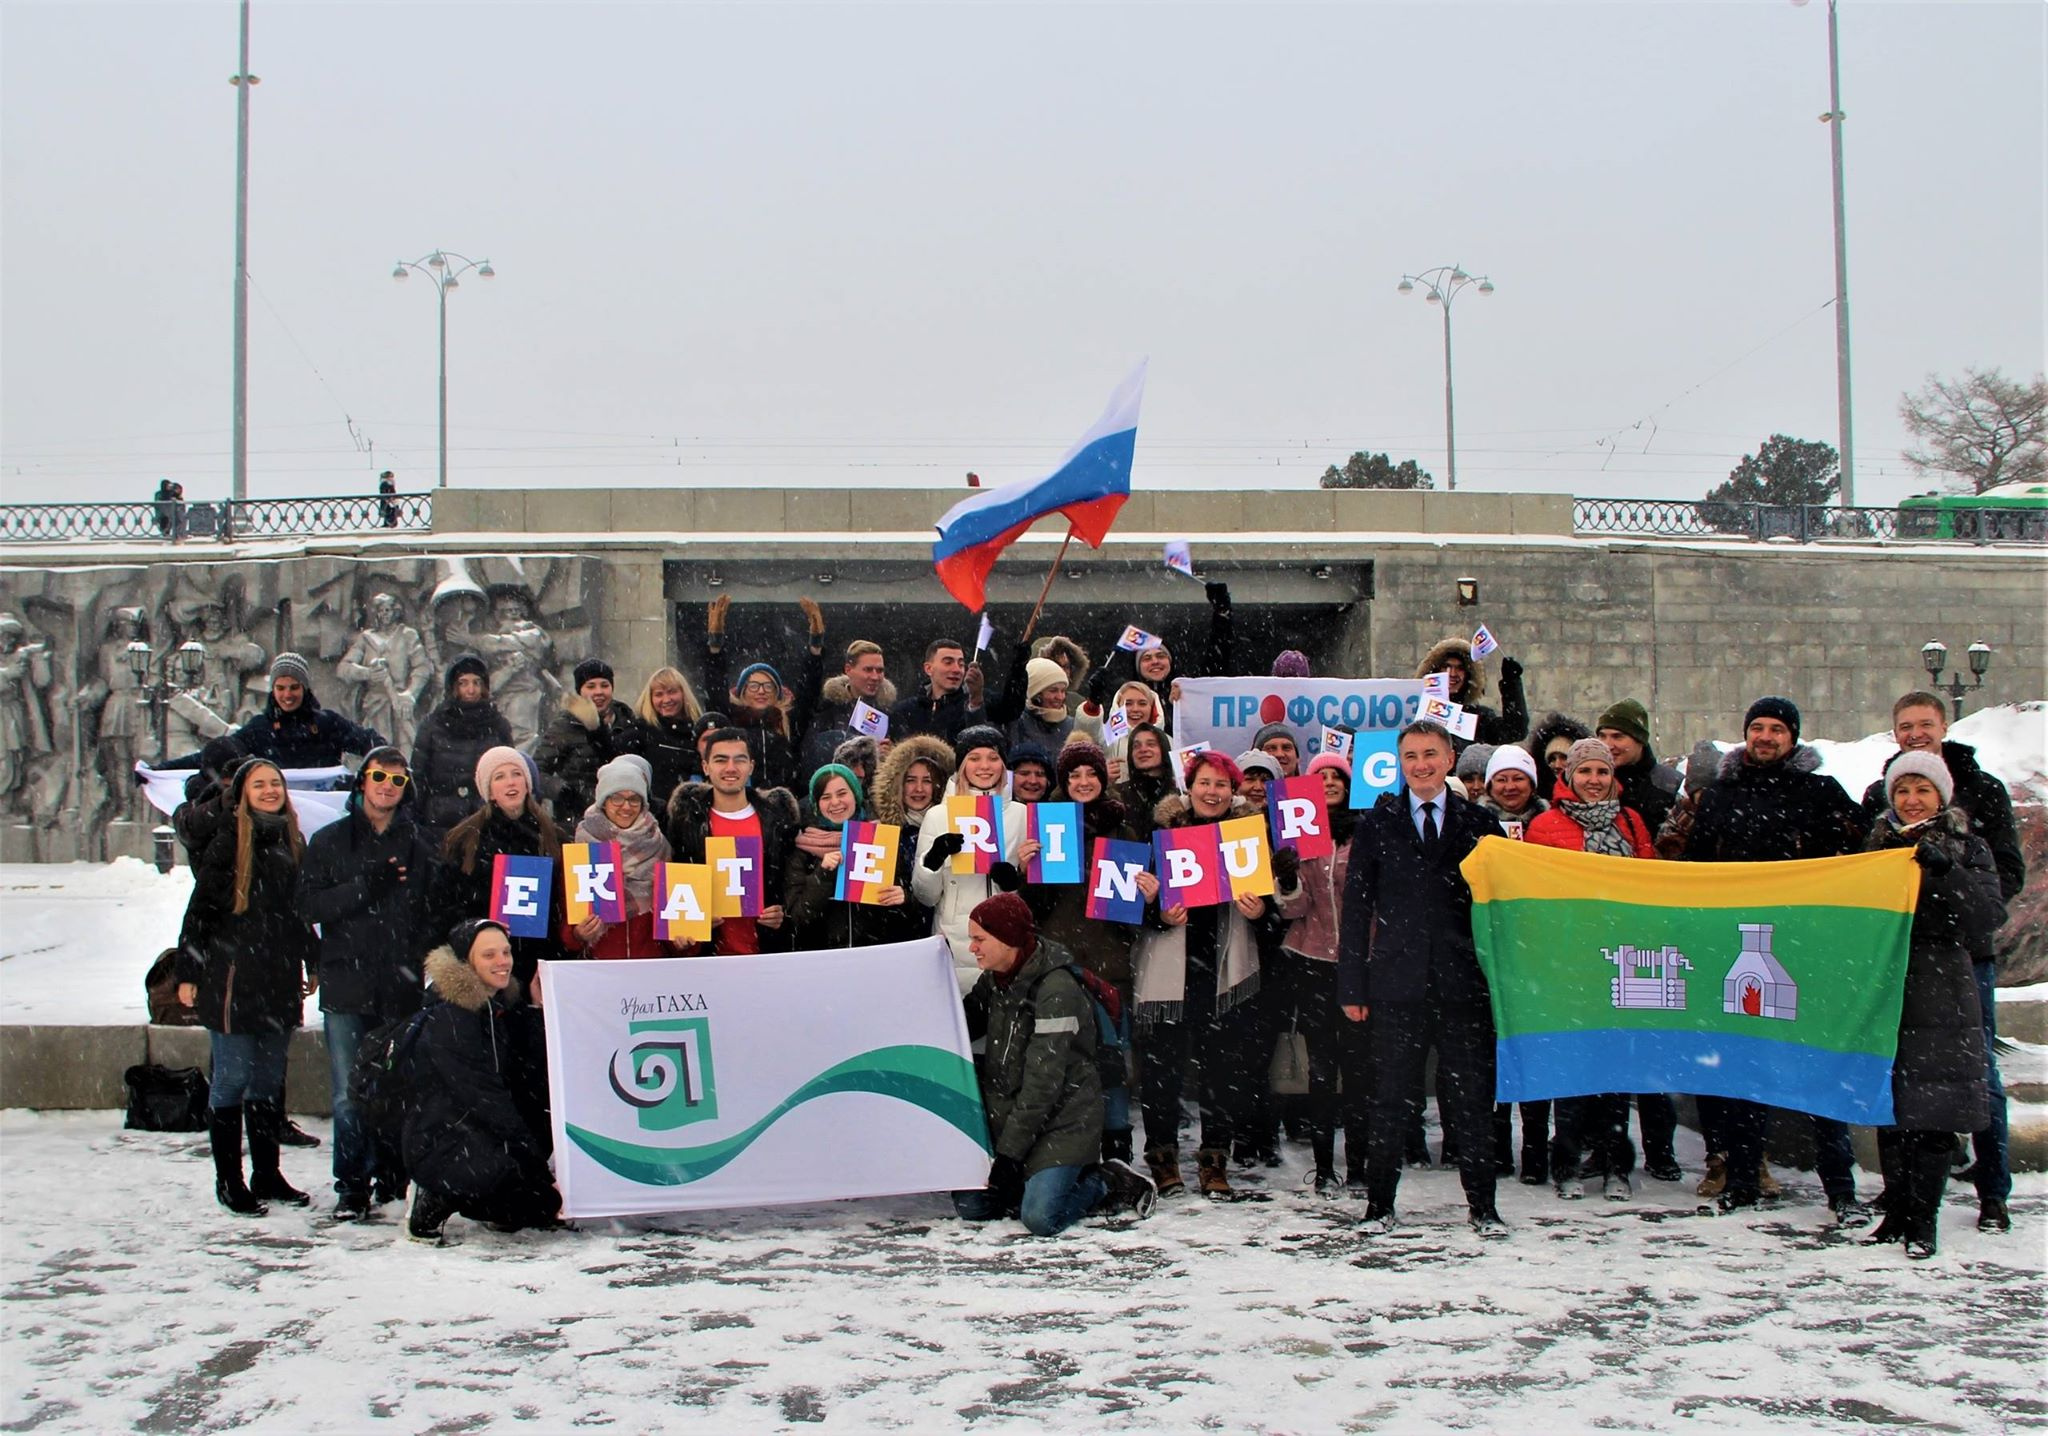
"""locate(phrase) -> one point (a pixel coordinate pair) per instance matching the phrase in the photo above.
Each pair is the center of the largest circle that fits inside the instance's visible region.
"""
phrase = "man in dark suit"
(1406, 960)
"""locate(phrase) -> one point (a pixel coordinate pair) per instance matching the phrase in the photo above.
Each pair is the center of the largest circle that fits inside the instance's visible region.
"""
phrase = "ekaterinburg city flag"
(1776, 982)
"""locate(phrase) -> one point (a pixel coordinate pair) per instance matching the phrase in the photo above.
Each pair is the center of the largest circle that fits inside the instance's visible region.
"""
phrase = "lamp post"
(243, 81)
(175, 672)
(1833, 120)
(444, 267)
(1935, 657)
(1440, 286)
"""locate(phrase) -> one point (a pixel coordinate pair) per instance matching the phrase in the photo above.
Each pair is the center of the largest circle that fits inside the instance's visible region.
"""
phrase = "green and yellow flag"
(1775, 982)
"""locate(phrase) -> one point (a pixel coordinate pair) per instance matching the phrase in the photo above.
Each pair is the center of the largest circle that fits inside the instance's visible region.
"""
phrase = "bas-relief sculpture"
(378, 633)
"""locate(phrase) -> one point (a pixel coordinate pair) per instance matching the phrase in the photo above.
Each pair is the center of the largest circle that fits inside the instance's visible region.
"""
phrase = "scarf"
(1601, 823)
(641, 847)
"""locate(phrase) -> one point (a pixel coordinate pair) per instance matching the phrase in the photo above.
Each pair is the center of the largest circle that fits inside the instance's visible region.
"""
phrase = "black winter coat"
(1775, 812)
(307, 737)
(1938, 1075)
(818, 921)
(576, 744)
(476, 1094)
(1989, 808)
(775, 752)
(1406, 928)
(1648, 787)
(444, 757)
(942, 717)
(670, 747)
(250, 967)
(1060, 910)
(370, 947)
(458, 894)
(689, 828)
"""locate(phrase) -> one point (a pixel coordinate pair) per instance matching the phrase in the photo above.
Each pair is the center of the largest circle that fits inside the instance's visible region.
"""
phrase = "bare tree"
(1981, 430)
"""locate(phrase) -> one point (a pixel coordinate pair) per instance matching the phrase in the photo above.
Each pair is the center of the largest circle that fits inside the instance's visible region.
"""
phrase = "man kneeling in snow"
(1039, 1081)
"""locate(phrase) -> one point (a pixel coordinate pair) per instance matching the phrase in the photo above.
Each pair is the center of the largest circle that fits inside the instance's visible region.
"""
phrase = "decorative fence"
(219, 522)
(1805, 523)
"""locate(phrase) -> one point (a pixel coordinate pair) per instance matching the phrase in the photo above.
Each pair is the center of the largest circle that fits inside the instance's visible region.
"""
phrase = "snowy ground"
(133, 1303)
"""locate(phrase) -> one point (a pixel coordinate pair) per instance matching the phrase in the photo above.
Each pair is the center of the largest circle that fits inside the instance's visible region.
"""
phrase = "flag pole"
(1050, 574)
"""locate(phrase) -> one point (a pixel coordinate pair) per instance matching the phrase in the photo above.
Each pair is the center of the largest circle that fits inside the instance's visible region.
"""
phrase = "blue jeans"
(355, 1153)
(247, 1067)
(1994, 1167)
(1054, 1200)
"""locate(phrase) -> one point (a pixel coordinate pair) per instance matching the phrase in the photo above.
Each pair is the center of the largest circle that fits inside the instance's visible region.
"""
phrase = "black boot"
(1323, 1142)
(266, 1179)
(224, 1128)
(430, 1212)
(1116, 1144)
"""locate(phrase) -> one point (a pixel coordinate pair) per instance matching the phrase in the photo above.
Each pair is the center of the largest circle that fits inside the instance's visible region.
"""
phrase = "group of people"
(1366, 955)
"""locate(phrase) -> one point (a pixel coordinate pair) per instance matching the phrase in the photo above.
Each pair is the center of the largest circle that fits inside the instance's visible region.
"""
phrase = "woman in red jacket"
(1586, 816)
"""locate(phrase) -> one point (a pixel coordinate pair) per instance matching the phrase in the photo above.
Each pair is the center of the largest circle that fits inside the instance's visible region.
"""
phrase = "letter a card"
(682, 902)
(736, 876)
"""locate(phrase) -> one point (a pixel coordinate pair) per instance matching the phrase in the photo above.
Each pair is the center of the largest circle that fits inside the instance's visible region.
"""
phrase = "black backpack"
(383, 1073)
(165, 1099)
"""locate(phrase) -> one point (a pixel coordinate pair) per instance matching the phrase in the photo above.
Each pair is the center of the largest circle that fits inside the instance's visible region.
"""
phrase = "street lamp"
(1935, 658)
(444, 267)
(1440, 286)
(177, 672)
(1833, 120)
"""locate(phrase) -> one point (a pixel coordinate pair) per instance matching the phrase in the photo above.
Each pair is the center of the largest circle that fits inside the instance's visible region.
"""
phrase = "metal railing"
(1804, 523)
(220, 522)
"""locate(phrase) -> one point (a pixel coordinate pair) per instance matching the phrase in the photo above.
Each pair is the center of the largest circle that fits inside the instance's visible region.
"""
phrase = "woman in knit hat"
(1031, 773)
(1586, 816)
(1045, 721)
(622, 814)
(450, 740)
(821, 919)
(1938, 1085)
(1510, 788)
(983, 754)
(510, 824)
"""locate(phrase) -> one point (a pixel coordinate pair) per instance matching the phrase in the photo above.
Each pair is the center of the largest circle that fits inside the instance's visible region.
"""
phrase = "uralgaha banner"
(1226, 713)
(681, 1084)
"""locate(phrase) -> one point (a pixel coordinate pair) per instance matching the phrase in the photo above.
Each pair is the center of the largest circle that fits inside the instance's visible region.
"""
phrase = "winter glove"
(1097, 689)
(714, 617)
(1510, 670)
(1933, 857)
(1005, 877)
(1286, 867)
(381, 878)
(1006, 1184)
(1219, 596)
(943, 847)
(813, 615)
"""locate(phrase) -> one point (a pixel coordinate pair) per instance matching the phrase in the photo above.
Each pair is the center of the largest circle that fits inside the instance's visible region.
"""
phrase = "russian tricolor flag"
(1089, 486)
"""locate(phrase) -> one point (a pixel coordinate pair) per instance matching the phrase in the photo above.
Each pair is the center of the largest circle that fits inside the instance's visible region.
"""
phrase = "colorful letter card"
(1300, 815)
(1247, 860)
(594, 884)
(1113, 894)
(522, 892)
(867, 861)
(1190, 862)
(682, 902)
(1375, 767)
(736, 876)
(978, 819)
(1057, 826)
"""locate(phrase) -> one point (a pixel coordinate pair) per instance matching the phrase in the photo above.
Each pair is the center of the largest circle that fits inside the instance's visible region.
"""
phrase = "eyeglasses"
(396, 780)
(633, 798)
(758, 685)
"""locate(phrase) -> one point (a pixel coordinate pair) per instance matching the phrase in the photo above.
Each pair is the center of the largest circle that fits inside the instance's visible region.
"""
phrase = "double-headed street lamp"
(1440, 286)
(445, 268)
(1934, 657)
(162, 677)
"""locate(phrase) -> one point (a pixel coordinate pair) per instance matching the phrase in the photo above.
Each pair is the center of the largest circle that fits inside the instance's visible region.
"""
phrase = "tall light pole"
(1440, 286)
(243, 82)
(1833, 119)
(445, 268)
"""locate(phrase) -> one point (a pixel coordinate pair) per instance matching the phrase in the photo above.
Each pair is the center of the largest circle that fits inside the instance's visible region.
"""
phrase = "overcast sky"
(856, 244)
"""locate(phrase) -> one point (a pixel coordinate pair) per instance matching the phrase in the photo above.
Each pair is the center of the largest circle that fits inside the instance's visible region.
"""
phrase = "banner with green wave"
(941, 1082)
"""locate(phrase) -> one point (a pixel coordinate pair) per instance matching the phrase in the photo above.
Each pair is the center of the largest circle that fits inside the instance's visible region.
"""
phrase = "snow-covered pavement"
(133, 1303)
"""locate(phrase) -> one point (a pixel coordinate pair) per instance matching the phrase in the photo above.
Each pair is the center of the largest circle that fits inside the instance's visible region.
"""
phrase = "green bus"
(2010, 512)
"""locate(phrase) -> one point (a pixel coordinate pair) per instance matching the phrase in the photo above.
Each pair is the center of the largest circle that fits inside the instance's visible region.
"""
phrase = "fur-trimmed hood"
(1475, 676)
(1058, 646)
(838, 690)
(1952, 825)
(581, 709)
(456, 981)
(1175, 811)
(691, 802)
(1554, 725)
(887, 795)
(1803, 759)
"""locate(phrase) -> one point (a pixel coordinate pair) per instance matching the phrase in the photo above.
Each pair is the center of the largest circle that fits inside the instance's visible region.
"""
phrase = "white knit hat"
(1914, 763)
(1510, 755)
(621, 775)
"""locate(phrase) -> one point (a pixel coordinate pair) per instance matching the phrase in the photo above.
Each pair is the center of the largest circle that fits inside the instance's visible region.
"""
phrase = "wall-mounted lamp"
(1468, 593)
(712, 580)
(824, 578)
(1321, 570)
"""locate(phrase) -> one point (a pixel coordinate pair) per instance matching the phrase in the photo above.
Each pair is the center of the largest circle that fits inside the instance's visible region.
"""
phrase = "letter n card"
(1113, 893)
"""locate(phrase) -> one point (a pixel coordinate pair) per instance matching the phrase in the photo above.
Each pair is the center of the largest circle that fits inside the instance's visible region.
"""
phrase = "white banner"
(680, 1084)
(1227, 712)
(313, 798)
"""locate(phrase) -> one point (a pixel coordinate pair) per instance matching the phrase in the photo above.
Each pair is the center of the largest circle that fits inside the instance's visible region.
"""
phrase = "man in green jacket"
(1039, 1081)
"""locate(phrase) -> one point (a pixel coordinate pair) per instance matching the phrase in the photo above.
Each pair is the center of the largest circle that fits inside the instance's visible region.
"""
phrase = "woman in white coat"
(982, 753)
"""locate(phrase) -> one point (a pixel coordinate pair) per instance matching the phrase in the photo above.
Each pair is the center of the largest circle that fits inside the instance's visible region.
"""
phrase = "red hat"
(1007, 919)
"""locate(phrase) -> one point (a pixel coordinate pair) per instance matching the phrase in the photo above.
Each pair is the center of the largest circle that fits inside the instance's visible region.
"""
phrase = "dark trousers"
(1338, 1054)
(1222, 1047)
(1739, 1127)
(1401, 1034)
(1994, 1166)
(1915, 1165)
(530, 1200)
(1535, 1135)
(1657, 1114)
(1592, 1137)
